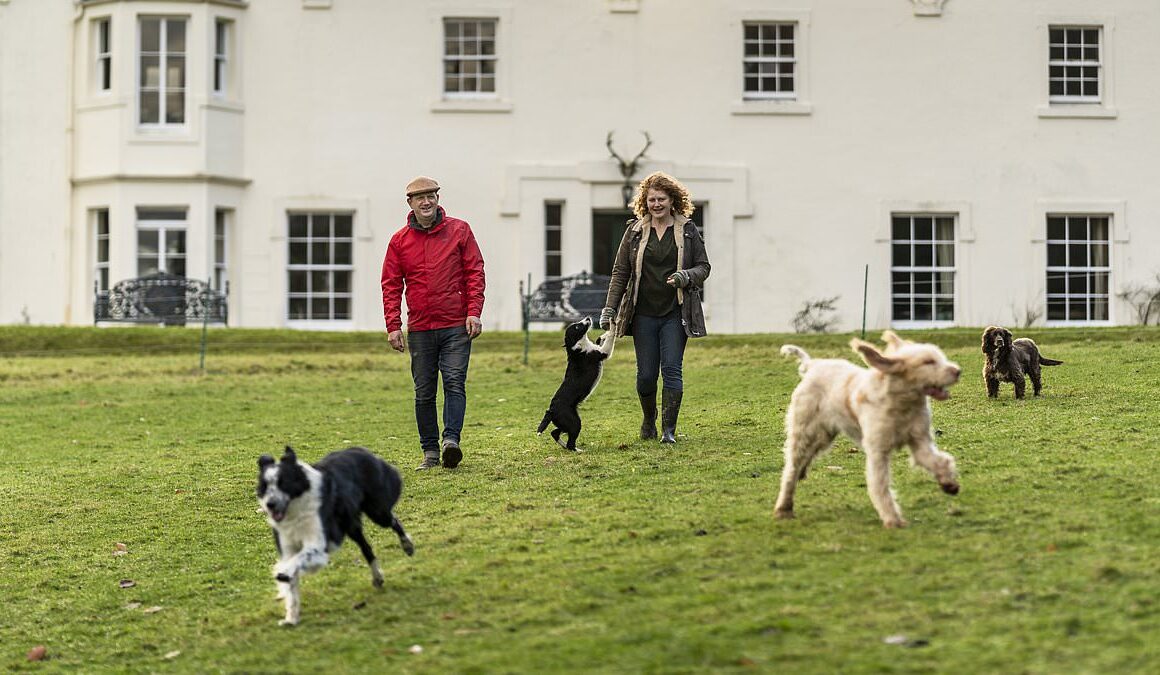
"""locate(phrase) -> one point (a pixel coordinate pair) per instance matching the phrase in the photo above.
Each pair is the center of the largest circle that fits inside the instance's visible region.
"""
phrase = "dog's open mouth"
(276, 514)
(937, 393)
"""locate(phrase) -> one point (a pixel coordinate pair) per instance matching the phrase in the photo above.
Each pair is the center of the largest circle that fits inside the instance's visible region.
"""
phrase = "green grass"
(628, 557)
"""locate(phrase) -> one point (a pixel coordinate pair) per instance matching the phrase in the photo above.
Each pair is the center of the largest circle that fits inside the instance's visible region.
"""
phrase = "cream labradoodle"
(881, 408)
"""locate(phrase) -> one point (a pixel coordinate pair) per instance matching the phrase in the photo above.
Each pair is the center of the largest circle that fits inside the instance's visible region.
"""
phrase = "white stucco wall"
(336, 105)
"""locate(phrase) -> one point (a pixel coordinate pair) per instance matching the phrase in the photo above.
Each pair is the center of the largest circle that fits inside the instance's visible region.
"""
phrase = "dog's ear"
(874, 358)
(988, 343)
(265, 461)
(289, 455)
(893, 341)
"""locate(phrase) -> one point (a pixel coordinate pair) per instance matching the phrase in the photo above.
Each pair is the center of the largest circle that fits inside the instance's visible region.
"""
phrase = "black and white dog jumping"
(312, 508)
(585, 365)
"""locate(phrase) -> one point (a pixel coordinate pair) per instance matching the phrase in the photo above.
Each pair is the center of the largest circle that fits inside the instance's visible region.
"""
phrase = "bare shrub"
(816, 316)
(1144, 300)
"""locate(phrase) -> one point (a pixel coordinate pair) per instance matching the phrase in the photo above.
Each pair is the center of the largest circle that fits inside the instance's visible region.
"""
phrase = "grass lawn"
(627, 557)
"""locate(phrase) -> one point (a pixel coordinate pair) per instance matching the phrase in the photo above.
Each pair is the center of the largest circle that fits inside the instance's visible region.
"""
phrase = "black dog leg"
(356, 534)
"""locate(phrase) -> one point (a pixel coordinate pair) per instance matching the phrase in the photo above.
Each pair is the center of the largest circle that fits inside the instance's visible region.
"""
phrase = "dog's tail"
(1044, 361)
(544, 422)
(794, 350)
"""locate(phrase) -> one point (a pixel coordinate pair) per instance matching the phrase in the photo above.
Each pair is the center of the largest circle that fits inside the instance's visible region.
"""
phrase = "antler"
(627, 169)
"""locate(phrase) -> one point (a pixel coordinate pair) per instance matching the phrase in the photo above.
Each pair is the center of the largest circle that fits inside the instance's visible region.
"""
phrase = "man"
(435, 258)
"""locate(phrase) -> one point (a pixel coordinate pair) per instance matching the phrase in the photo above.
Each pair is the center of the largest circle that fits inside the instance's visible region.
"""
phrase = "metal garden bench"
(562, 300)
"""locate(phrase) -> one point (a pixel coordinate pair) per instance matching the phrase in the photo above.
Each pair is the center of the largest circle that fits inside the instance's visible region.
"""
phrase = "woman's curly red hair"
(659, 180)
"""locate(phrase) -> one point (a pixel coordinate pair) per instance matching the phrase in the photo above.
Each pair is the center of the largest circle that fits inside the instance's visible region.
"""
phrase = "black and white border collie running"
(312, 508)
(585, 365)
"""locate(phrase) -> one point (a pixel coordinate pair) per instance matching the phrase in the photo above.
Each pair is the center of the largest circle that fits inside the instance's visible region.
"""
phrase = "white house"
(969, 161)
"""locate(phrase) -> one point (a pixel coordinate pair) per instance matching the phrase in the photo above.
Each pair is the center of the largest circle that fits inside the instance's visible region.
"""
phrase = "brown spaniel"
(1011, 360)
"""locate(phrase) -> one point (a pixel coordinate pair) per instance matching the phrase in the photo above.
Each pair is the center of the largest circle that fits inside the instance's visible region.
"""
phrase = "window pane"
(298, 253)
(297, 281)
(343, 226)
(1099, 229)
(1056, 227)
(341, 281)
(1077, 228)
(150, 35)
(146, 266)
(175, 241)
(1056, 255)
(923, 283)
(944, 255)
(175, 266)
(923, 255)
(319, 253)
(320, 226)
(944, 283)
(901, 255)
(320, 308)
(901, 311)
(320, 282)
(175, 108)
(298, 225)
(944, 229)
(1056, 283)
(150, 71)
(1077, 255)
(552, 267)
(552, 240)
(148, 243)
(1098, 255)
(922, 309)
(900, 227)
(923, 228)
(1056, 309)
(900, 283)
(297, 308)
(341, 307)
(175, 36)
(342, 253)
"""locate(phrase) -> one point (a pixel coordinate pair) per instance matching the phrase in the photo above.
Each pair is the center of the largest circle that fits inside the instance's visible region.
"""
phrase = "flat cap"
(422, 184)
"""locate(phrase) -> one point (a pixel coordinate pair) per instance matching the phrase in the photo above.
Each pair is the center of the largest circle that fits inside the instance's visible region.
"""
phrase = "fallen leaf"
(127, 583)
(151, 610)
(172, 655)
(37, 653)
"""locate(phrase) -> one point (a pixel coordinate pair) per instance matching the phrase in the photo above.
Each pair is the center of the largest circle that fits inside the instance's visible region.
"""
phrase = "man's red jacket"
(442, 271)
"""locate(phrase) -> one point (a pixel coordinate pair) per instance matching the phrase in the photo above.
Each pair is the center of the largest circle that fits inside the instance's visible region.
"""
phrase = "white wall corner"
(928, 7)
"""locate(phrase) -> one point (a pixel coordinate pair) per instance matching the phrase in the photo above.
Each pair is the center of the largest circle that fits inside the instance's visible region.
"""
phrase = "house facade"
(952, 162)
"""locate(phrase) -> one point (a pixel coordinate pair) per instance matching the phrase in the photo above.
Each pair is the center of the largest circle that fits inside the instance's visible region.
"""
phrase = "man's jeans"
(660, 350)
(447, 351)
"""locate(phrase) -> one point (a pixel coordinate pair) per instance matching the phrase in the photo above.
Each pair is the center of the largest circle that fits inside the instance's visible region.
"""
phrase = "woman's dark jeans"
(660, 350)
(446, 351)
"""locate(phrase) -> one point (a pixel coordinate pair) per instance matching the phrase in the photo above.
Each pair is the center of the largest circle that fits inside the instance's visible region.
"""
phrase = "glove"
(679, 279)
(606, 316)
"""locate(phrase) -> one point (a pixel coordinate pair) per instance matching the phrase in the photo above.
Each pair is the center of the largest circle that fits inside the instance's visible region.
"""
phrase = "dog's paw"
(951, 488)
(783, 515)
(408, 546)
(288, 622)
(897, 524)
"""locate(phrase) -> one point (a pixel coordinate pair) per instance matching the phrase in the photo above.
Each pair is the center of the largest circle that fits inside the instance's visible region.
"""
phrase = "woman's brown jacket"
(625, 282)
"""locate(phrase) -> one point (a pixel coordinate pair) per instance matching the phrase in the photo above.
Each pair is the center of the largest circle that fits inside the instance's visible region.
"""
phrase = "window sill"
(758, 107)
(1077, 111)
(469, 105)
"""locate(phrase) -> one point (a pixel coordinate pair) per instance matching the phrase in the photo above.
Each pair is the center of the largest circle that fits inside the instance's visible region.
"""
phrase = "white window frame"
(223, 48)
(103, 54)
(1087, 269)
(777, 60)
(162, 88)
(329, 267)
(163, 227)
(558, 227)
(934, 269)
(223, 225)
(478, 58)
(798, 104)
(1082, 107)
(101, 270)
(463, 102)
(1084, 63)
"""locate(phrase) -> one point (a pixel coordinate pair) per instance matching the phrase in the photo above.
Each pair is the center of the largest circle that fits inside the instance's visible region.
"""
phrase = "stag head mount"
(628, 167)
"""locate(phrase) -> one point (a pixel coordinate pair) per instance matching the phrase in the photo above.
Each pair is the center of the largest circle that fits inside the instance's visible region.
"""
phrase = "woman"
(655, 295)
